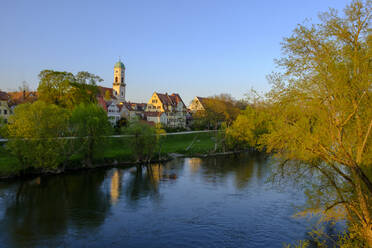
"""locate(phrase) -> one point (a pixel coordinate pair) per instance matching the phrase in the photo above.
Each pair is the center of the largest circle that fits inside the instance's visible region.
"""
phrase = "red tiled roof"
(4, 96)
(170, 100)
(128, 105)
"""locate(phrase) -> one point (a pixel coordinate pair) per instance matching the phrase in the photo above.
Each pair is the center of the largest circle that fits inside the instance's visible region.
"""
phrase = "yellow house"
(172, 105)
(5, 111)
(198, 104)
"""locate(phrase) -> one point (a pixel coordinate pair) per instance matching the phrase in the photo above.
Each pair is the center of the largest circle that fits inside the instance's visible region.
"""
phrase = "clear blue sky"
(193, 47)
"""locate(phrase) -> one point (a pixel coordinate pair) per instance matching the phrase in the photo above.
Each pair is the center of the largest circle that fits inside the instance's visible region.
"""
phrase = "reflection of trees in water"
(244, 167)
(46, 206)
(142, 183)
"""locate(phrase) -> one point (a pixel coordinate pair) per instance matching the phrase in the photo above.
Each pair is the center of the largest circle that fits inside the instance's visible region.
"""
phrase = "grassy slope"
(202, 143)
(119, 149)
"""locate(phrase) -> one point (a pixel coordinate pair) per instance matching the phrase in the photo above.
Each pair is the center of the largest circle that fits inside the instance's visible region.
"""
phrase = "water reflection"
(185, 202)
(48, 206)
(115, 189)
(243, 167)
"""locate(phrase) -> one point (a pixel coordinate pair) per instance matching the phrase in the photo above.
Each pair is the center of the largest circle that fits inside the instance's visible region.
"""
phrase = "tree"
(90, 124)
(34, 133)
(144, 140)
(248, 128)
(55, 86)
(24, 87)
(84, 88)
(218, 109)
(322, 115)
(68, 90)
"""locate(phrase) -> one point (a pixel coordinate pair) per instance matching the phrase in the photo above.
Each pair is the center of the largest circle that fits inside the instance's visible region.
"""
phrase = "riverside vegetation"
(316, 119)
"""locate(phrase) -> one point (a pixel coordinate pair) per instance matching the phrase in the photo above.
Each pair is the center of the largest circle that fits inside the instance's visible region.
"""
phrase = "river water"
(190, 202)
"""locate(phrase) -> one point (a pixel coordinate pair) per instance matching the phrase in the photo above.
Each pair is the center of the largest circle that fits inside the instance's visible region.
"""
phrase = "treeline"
(66, 123)
(317, 118)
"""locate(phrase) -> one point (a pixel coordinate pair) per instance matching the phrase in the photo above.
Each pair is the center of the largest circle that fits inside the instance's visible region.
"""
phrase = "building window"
(122, 93)
(116, 79)
(122, 80)
(5, 112)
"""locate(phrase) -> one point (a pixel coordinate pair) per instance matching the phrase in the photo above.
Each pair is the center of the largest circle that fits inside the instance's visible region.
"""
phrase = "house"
(5, 110)
(137, 110)
(115, 111)
(172, 105)
(198, 104)
(156, 117)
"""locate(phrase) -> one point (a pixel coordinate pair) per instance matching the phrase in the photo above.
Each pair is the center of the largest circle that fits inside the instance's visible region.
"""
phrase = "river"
(187, 202)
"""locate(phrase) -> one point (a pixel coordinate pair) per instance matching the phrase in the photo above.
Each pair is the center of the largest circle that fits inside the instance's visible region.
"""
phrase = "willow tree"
(322, 112)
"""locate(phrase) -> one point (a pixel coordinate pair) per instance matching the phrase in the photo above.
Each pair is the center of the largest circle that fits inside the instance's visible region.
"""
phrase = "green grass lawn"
(201, 143)
(119, 149)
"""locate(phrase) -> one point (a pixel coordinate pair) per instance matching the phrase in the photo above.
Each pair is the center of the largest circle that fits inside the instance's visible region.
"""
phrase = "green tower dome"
(119, 64)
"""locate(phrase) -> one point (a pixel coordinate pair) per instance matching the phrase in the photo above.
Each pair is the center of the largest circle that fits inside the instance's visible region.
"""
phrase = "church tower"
(119, 81)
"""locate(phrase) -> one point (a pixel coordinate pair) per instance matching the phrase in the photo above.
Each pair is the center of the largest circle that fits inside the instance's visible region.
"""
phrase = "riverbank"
(117, 152)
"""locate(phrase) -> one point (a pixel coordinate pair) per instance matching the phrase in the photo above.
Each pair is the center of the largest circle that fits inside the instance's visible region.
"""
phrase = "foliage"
(299, 244)
(3, 127)
(89, 122)
(33, 133)
(322, 116)
(144, 140)
(121, 123)
(67, 90)
(55, 86)
(248, 127)
(218, 109)
(84, 88)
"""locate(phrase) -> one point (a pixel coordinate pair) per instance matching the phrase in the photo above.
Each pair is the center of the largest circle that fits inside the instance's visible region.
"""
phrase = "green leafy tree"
(68, 90)
(322, 115)
(218, 109)
(84, 88)
(34, 133)
(55, 87)
(90, 124)
(248, 128)
(144, 140)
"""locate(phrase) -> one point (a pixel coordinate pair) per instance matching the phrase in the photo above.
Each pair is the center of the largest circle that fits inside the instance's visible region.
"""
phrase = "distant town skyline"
(194, 48)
